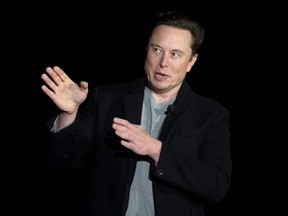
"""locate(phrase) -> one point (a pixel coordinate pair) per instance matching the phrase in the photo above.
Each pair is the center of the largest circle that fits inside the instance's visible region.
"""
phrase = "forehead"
(167, 35)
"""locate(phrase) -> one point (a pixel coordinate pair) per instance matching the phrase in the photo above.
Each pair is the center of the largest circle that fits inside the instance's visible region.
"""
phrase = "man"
(156, 147)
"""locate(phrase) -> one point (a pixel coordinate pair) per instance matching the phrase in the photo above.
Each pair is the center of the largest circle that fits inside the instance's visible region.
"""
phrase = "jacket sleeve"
(67, 149)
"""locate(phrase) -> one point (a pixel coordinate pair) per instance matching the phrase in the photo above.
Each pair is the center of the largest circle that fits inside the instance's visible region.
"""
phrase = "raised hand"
(63, 91)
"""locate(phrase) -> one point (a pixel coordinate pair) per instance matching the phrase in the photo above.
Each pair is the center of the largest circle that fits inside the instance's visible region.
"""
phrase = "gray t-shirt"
(141, 196)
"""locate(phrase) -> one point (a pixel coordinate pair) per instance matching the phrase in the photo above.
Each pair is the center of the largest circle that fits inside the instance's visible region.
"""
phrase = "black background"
(104, 44)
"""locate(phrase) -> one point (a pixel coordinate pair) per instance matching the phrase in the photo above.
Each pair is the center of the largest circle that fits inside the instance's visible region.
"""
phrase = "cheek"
(147, 67)
(150, 64)
(184, 68)
(180, 73)
(151, 61)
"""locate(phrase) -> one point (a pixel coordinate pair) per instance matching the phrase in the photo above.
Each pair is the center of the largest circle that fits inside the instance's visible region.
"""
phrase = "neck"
(163, 96)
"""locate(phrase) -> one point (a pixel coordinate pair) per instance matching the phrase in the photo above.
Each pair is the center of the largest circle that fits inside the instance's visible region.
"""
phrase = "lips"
(160, 76)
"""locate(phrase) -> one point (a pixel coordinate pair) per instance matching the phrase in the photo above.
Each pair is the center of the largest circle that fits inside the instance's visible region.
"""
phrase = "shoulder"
(134, 86)
(209, 103)
(204, 103)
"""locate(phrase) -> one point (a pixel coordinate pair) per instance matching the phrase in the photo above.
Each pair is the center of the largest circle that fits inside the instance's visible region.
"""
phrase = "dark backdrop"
(101, 45)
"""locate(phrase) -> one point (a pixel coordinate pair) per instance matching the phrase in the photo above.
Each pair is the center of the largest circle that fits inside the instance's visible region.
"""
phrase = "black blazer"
(195, 161)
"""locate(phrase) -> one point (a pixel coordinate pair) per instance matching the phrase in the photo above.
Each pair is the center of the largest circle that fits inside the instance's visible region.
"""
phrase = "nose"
(164, 61)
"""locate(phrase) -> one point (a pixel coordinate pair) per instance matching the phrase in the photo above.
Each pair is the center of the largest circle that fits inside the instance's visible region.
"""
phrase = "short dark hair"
(181, 20)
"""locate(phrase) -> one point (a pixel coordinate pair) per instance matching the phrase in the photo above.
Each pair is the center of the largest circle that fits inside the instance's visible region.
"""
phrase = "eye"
(157, 50)
(175, 55)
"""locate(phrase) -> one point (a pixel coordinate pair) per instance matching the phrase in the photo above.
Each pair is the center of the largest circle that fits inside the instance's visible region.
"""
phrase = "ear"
(192, 62)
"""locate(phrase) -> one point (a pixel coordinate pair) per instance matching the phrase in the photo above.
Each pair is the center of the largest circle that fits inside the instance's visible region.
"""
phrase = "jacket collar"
(132, 101)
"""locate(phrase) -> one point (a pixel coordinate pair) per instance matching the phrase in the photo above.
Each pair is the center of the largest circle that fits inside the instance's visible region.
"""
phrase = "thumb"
(84, 85)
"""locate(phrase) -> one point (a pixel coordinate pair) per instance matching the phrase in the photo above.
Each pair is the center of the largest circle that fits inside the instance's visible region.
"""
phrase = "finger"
(49, 82)
(84, 85)
(62, 75)
(123, 135)
(119, 127)
(127, 144)
(48, 91)
(54, 76)
(121, 121)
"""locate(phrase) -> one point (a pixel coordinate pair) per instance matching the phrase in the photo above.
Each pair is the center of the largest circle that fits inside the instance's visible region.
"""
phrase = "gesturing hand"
(64, 92)
(134, 137)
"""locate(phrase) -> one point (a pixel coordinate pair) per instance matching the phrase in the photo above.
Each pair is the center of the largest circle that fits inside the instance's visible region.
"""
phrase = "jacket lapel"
(184, 102)
(133, 101)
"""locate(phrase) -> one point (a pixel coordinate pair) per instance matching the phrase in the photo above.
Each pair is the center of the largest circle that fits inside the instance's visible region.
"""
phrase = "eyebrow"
(173, 50)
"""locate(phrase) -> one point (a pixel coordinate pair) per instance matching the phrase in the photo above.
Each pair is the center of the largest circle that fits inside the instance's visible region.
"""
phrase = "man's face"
(168, 59)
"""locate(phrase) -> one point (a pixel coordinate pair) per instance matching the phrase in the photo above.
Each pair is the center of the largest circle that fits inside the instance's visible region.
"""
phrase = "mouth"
(160, 76)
